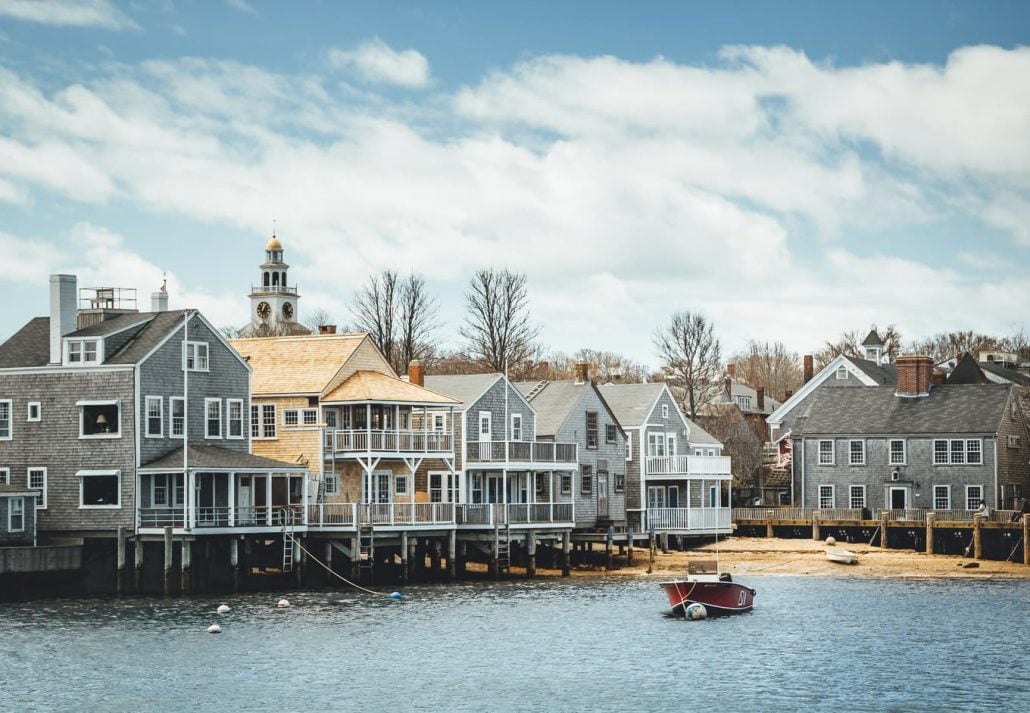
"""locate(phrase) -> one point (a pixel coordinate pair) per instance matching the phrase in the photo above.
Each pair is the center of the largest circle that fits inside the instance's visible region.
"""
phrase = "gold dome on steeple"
(274, 244)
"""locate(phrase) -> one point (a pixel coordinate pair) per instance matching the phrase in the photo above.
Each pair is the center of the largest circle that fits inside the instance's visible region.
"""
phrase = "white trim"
(775, 419)
(865, 498)
(665, 410)
(819, 451)
(10, 419)
(890, 451)
(20, 499)
(228, 419)
(41, 501)
(60, 369)
(28, 412)
(66, 352)
(851, 454)
(171, 417)
(982, 496)
(5, 476)
(80, 474)
(629, 446)
(479, 426)
(933, 496)
(331, 478)
(191, 346)
(99, 436)
(518, 417)
(819, 496)
(146, 416)
(211, 329)
(207, 418)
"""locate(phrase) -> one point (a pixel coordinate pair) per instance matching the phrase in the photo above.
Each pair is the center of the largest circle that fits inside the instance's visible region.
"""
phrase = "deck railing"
(689, 466)
(688, 519)
(406, 513)
(391, 441)
(499, 514)
(223, 516)
(894, 515)
(522, 452)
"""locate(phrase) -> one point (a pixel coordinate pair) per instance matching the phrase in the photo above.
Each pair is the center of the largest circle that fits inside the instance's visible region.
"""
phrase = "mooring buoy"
(831, 540)
(282, 604)
(214, 629)
(223, 609)
(396, 596)
(695, 611)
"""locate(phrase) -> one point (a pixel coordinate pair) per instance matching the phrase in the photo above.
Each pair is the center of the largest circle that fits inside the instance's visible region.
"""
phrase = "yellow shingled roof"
(373, 386)
(296, 365)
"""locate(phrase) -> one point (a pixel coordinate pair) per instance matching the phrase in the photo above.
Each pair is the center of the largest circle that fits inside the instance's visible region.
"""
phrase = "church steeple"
(273, 301)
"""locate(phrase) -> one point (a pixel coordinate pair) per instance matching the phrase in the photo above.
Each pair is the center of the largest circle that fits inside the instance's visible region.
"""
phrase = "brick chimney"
(915, 375)
(731, 370)
(582, 373)
(415, 374)
(761, 398)
(788, 394)
(938, 378)
(327, 329)
(809, 368)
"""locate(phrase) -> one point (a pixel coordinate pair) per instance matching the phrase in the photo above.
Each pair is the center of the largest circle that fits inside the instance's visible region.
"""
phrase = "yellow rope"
(328, 569)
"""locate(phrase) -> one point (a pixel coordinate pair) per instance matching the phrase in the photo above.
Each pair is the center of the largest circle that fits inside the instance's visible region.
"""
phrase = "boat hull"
(842, 556)
(719, 598)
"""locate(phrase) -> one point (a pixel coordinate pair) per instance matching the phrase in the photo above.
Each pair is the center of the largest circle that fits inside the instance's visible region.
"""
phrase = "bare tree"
(497, 324)
(770, 366)
(850, 344)
(317, 318)
(603, 366)
(399, 315)
(740, 442)
(945, 345)
(691, 357)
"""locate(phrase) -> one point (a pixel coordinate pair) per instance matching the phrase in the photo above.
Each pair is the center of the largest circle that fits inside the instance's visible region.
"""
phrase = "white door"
(245, 514)
(485, 427)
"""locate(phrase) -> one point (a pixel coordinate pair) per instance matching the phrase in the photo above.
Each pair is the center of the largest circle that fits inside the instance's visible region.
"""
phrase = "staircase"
(366, 548)
(502, 545)
(286, 516)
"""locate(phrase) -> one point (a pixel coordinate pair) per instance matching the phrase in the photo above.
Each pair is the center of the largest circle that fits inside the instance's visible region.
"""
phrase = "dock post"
(435, 558)
(404, 557)
(329, 562)
(1026, 539)
(355, 558)
(168, 562)
(815, 525)
(978, 551)
(462, 558)
(566, 545)
(665, 543)
(185, 571)
(651, 547)
(412, 557)
(629, 546)
(531, 554)
(884, 540)
(930, 517)
(234, 563)
(609, 540)
(768, 523)
(137, 566)
(120, 574)
(452, 552)
(494, 568)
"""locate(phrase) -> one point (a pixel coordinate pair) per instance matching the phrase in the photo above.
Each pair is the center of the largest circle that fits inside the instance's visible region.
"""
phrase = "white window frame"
(944, 453)
(262, 428)
(196, 356)
(11, 514)
(109, 402)
(904, 451)
(842, 373)
(656, 443)
(5, 476)
(489, 421)
(947, 497)
(8, 406)
(400, 484)
(208, 420)
(832, 452)
(958, 451)
(665, 410)
(979, 450)
(439, 422)
(76, 352)
(565, 483)
(852, 499)
(443, 487)
(83, 474)
(516, 427)
(833, 497)
(595, 431)
(969, 501)
(291, 417)
(670, 444)
(41, 501)
(229, 403)
(309, 417)
(1013, 441)
(29, 417)
(172, 400)
(147, 433)
(744, 403)
(852, 454)
(629, 446)
(331, 485)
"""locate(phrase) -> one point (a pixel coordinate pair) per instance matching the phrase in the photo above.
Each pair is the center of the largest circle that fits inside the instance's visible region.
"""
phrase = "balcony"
(244, 517)
(501, 514)
(343, 516)
(394, 441)
(527, 453)
(700, 467)
(701, 520)
(273, 290)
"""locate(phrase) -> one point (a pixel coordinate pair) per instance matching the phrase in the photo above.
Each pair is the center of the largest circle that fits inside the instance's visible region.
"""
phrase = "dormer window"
(842, 373)
(873, 354)
(744, 403)
(82, 351)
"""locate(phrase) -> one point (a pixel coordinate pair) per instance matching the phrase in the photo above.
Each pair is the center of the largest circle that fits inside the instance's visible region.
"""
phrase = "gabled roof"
(159, 326)
(632, 403)
(554, 402)
(880, 373)
(737, 389)
(466, 388)
(967, 371)
(29, 346)
(1004, 372)
(376, 386)
(218, 458)
(872, 339)
(950, 409)
(868, 373)
(114, 324)
(296, 365)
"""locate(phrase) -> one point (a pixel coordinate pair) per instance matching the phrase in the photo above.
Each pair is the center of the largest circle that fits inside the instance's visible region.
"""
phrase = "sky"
(791, 170)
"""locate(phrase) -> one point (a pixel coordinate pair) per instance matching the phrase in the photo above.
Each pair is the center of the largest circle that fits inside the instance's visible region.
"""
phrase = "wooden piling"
(452, 553)
(137, 566)
(651, 547)
(531, 554)
(608, 542)
(355, 558)
(566, 545)
(1026, 540)
(168, 562)
(405, 574)
(930, 517)
(435, 556)
(328, 557)
(665, 543)
(186, 570)
(815, 526)
(299, 563)
(884, 540)
(234, 563)
(494, 568)
(629, 545)
(978, 552)
(768, 523)
(461, 558)
(412, 556)
(120, 573)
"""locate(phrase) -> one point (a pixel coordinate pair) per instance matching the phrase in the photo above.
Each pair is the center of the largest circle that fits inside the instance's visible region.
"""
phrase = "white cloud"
(28, 261)
(242, 6)
(377, 62)
(76, 13)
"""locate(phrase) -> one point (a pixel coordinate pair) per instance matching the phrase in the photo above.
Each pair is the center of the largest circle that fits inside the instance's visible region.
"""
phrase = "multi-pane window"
(665, 410)
(401, 484)
(213, 418)
(856, 452)
(826, 497)
(656, 444)
(587, 481)
(591, 429)
(958, 451)
(82, 351)
(744, 403)
(974, 494)
(235, 407)
(37, 481)
(842, 373)
(974, 455)
(177, 407)
(155, 416)
(331, 418)
(941, 497)
(195, 356)
(310, 416)
(856, 497)
(16, 514)
(566, 484)
(295, 417)
(940, 452)
(332, 484)
(99, 489)
(5, 419)
(262, 421)
(610, 433)
(620, 482)
(516, 427)
(5, 476)
(897, 451)
(825, 452)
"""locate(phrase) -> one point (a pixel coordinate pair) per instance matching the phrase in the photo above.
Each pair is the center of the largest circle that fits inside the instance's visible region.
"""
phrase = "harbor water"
(541, 645)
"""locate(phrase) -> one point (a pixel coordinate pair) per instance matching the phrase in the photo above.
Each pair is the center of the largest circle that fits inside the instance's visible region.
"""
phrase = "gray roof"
(29, 346)
(880, 373)
(143, 342)
(736, 389)
(949, 409)
(633, 403)
(1005, 372)
(554, 402)
(466, 388)
(872, 339)
(218, 458)
(112, 325)
(12, 490)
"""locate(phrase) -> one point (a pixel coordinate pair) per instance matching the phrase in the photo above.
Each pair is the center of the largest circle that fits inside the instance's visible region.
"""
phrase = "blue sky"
(790, 169)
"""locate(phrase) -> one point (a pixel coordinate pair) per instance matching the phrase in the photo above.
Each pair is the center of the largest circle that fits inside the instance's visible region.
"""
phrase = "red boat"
(705, 585)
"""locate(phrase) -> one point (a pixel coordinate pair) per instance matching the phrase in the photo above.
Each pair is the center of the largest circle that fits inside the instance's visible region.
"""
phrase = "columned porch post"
(268, 498)
(368, 430)
(191, 500)
(232, 499)
(304, 499)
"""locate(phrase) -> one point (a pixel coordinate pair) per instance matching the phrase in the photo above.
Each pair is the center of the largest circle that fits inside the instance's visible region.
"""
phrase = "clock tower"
(273, 301)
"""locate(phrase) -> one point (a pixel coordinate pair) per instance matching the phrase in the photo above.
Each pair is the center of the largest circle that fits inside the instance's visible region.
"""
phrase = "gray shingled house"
(574, 411)
(17, 513)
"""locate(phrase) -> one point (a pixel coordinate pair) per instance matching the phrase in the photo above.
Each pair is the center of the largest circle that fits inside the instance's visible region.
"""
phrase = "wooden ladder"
(366, 548)
(286, 515)
(502, 545)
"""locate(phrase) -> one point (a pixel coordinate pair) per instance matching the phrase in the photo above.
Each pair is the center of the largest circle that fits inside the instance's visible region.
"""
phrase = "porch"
(538, 455)
(490, 515)
(687, 466)
(345, 517)
(341, 443)
(710, 520)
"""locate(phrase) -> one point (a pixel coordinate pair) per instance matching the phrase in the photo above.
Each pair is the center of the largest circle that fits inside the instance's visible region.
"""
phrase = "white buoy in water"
(396, 596)
(831, 541)
(695, 611)
(223, 609)
(214, 629)
(282, 604)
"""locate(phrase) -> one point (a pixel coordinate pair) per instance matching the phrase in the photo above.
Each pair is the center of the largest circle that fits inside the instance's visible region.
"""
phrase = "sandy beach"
(745, 556)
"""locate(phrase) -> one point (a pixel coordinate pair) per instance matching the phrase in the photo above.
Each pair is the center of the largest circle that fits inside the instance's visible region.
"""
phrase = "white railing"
(690, 466)
(406, 513)
(210, 517)
(161, 517)
(333, 515)
(408, 441)
(522, 452)
(491, 514)
(829, 515)
(778, 513)
(688, 519)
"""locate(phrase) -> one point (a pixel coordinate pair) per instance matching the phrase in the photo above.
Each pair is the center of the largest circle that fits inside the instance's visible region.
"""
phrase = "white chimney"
(159, 299)
(62, 312)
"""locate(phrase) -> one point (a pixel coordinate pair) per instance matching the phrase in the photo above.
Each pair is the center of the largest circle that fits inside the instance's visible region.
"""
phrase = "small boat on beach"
(841, 556)
(705, 585)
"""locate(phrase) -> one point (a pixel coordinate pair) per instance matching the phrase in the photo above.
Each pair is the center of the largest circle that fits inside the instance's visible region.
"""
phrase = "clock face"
(263, 310)
(287, 310)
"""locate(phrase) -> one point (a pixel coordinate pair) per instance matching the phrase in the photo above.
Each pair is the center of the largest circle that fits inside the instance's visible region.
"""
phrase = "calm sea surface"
(548, 645)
